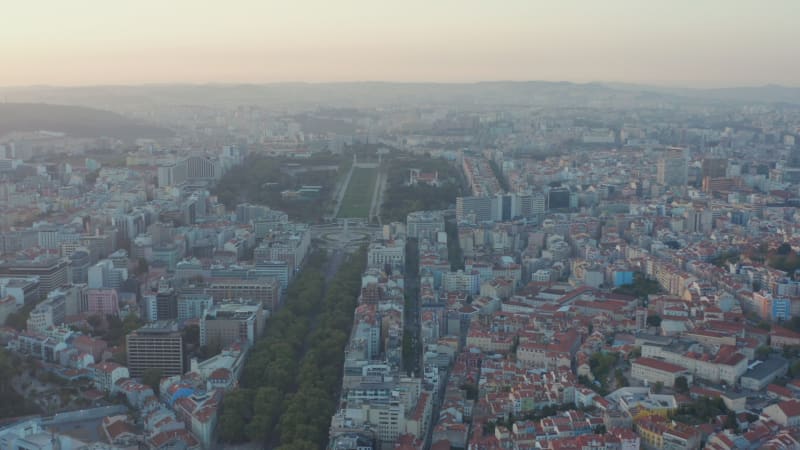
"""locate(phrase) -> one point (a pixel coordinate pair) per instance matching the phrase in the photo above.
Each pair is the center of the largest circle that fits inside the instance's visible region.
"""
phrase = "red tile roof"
(660, 365)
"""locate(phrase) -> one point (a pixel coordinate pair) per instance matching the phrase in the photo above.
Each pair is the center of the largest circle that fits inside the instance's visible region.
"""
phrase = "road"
(342, 190)
(412, 308)
(377, 196)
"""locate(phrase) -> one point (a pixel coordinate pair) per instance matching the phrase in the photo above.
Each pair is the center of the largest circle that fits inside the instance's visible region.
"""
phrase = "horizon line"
(607, 84)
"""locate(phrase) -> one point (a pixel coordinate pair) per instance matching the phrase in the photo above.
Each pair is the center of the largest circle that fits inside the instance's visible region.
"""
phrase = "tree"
(471, 391)
(95, 321)
(619, 377)
(763, 352)
(654, 321)
(681, 384)
(191, 335)
(142, 267)
(794, 369)
(658, 387)
(152, 378)
(231, 427)
(784, 249)
(731, 422)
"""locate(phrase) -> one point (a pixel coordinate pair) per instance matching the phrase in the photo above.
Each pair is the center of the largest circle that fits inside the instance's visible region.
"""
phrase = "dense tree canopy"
(293, 375)
(11, 403)
(261, 179)
(401, 199)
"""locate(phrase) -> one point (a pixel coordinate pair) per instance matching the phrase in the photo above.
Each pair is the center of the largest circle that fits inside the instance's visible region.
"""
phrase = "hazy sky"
(675, 42)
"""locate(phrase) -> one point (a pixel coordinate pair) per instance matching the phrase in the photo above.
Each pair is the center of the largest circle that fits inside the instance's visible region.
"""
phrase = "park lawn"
(358, 198)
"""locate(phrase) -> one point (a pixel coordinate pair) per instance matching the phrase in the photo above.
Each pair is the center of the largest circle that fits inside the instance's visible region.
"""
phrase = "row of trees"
(293, 374)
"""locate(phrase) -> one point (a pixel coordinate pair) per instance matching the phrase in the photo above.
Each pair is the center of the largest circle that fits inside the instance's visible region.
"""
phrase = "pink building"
(103, 302)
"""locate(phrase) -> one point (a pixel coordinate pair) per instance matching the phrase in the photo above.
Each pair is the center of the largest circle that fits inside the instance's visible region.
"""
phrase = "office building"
(559, 198)
(193, 305)
(531, 204)
(473, 209)
(424, 224)
(699, 220)
(266, 291)
(387, 255)
(158, 346)
(52, 272)
(227, 323)
(166, 304)
(105, 275)
(715, 167)
(23, 290)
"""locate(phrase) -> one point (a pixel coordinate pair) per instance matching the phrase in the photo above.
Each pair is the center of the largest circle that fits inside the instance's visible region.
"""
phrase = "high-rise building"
(531, 204)
(505, 207)
(474, 209)
(673, 167)
(699, 220)
(715, 167)
(558, 198)
(166, 304)
(202, 168)
(158, 346)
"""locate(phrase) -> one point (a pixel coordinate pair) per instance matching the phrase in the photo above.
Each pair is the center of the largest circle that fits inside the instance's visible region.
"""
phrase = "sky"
(697, 43)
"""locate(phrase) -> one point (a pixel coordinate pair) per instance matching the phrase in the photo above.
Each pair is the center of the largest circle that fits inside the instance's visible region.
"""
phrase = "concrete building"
(265, 290)
(47, 314)
(761, 373)
(193, 305)
(424, 224)
(672, 167)
(157, 345)
(51, 272)
(389, 254)
(228, 323)
(105, 274)
(473, 209)
(23, 290)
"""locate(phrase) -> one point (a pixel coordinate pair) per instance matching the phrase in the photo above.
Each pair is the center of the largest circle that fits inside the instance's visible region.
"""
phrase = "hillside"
(370, 94)
(75, 121)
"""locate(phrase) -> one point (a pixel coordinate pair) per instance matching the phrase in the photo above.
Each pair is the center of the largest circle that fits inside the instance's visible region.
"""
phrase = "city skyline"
(710, 44)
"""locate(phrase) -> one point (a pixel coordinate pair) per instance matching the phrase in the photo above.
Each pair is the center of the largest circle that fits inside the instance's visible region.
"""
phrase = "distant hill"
(75, 121)
(770, 93)
(371, 94)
